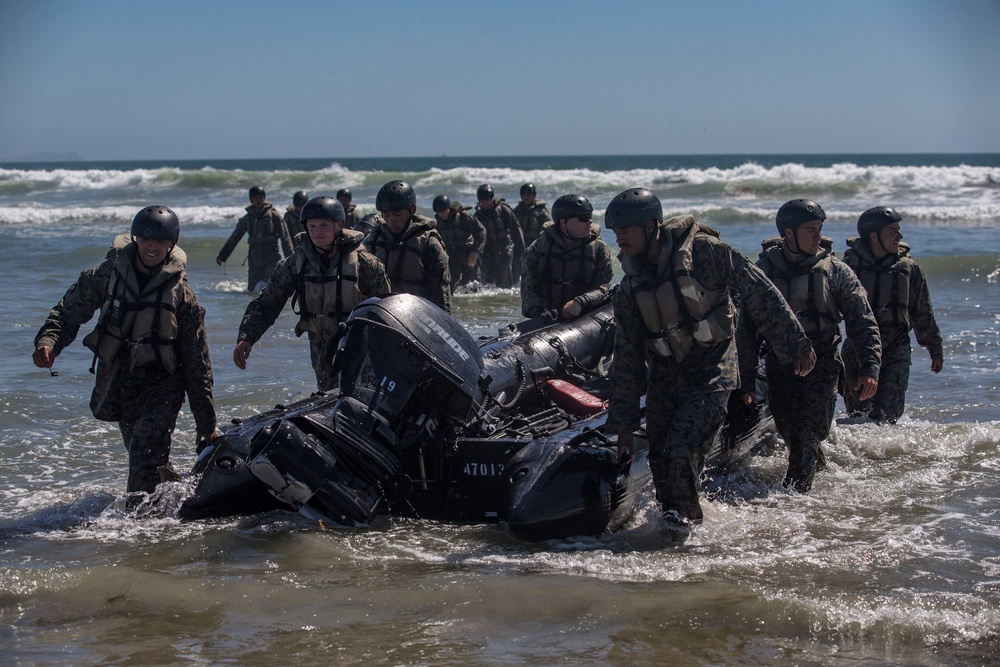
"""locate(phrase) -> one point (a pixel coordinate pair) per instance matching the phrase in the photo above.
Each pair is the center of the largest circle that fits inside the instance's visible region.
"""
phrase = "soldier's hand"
(473, 258)
(203, 440)
(937, 365)
(626, 446)
(241, 353)
(747, 397)
(571, 309)
(219, 261)
(43, 357)
(805, 363)
(866, 387)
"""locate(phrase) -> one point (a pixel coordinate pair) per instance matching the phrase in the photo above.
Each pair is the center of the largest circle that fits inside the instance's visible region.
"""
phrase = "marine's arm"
(531, 300)
(195, 363)
(860, 324)
(600, 280)
(264, 309)
(76, 308)
(628, 372)
(372, 278)
(478, 233)
(925, 326)
(514, 227)
(233, 240)
(770, 317)
(284, 235)
(437, 278)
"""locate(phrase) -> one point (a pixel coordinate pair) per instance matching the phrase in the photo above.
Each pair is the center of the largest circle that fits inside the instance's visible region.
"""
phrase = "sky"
(218, 79)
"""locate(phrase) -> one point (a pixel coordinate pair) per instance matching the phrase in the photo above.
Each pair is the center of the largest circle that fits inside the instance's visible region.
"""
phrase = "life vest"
(565, 266)
(532, 218)
(402, 256)
(805, 286)
(497, 231)
(455, 235)
(679, 313)
(323, 300)
(260, 224)
(887, 281)
(141, 322)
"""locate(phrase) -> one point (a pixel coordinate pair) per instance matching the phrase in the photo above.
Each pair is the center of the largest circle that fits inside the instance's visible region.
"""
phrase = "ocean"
(892, 559)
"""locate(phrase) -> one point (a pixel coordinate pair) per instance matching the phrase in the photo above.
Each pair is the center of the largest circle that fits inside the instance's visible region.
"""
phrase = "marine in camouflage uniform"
(293, 225)
(503, 237)
(532, 215)
(352, 217)
(897, 292)
(150, 344)
(567, 270)
(325, 282)
(822, 291)
(266, 228)
(410, 247)
(464, 239)
(674, 317)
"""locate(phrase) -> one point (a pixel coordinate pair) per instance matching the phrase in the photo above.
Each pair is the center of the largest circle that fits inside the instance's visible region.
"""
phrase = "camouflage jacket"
(503, 231)
(266, 228)
(264, 309)
(859, 257)
(462, 232)
(717, 265)
(532, 218)
(89, 293)
(851, 305)
(584, 265)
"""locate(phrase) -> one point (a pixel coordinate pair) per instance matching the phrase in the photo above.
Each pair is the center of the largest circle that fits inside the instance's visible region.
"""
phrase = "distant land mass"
(45, 157)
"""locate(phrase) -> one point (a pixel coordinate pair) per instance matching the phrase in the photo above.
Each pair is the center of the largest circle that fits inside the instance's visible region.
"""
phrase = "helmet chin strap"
(878, 237)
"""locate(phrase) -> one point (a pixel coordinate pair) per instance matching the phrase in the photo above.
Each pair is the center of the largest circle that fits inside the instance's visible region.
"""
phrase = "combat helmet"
(257, 190)
(633, 207)
(345, 193)
(324, 208)
(158, 223)
(300, 198)
(571, 206)
(874, 219)
(441, 203)
(485, 192)
(395, 195)
(528, 188)
(797, 212)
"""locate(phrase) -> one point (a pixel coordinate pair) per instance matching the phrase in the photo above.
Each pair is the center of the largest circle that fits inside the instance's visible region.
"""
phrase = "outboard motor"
(405, 366)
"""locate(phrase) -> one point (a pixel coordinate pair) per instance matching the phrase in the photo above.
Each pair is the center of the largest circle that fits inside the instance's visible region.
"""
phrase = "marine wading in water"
(150, 347)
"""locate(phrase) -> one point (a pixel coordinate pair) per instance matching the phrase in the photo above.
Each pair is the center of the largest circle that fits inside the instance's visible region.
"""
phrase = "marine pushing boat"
(428, 422)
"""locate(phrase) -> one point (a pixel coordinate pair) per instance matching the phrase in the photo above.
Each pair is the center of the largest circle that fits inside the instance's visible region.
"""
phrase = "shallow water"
(892, 559)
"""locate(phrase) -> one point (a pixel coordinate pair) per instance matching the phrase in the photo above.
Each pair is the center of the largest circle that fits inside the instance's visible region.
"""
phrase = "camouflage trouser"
(461, 272)
(894, 377)
(682, 425)
(149, 413)
(326, 380)
(260, 264)
(496, 267)
(803, 409)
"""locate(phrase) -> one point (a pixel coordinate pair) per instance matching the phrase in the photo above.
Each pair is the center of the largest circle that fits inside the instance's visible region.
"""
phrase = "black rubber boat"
(428, 422)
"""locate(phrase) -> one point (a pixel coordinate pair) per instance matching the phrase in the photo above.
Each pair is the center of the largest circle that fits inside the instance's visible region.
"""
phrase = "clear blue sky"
(138, 79)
